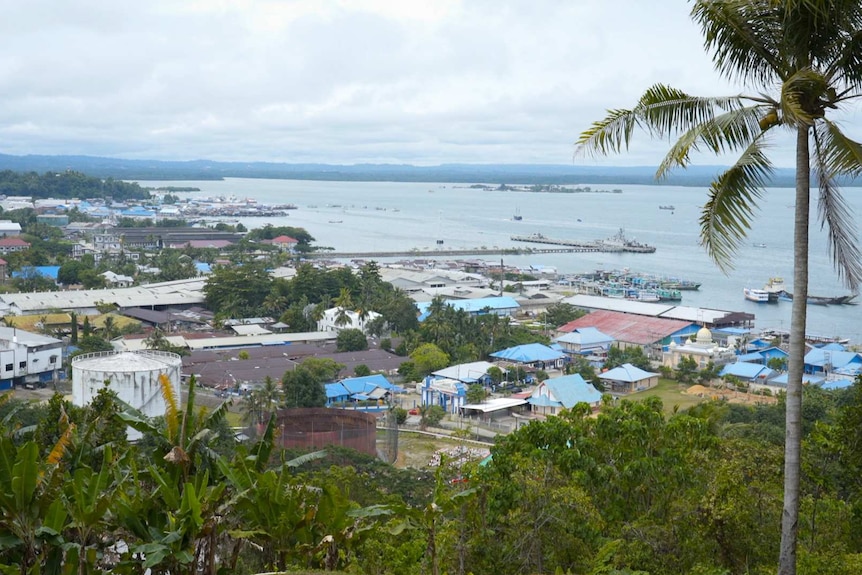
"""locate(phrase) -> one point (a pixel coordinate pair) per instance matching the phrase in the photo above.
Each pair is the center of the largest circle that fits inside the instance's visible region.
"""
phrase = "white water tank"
(133, 376)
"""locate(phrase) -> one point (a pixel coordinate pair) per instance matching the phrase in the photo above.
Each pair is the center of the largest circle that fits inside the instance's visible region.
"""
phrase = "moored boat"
(756, 295)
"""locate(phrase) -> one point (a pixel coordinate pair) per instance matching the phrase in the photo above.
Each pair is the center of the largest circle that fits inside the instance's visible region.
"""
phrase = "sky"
(420, 82)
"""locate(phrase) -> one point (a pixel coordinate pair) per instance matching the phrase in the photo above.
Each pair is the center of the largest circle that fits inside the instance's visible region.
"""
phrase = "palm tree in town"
(804, 58)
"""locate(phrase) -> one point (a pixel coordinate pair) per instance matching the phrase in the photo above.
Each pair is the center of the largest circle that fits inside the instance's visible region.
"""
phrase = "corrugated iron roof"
(628, 328)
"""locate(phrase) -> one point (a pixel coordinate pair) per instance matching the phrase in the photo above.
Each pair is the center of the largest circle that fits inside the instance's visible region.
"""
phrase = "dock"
(445, 253)
(617, 243)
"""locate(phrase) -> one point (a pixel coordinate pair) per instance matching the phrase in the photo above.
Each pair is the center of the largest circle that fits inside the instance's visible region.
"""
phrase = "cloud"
(347, 81)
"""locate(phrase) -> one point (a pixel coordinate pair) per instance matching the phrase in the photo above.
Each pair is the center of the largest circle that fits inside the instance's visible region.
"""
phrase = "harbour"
(476, 220)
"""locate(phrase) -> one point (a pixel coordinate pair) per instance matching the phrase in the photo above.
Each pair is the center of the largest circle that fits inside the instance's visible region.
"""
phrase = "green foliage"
(560, 314)
(427, 358)
(633, 355)
(351, 340)
(361, 370)
(67, 184)
(303, 387)
(476, 393)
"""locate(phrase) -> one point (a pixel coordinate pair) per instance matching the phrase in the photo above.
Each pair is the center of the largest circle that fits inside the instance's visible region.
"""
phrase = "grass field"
(671, 394)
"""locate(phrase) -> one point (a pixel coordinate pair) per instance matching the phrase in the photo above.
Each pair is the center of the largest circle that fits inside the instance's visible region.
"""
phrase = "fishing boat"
(774, 287)
(667, 207)
(756, 295)
(619, 242)
(823, 300)
(517, 217)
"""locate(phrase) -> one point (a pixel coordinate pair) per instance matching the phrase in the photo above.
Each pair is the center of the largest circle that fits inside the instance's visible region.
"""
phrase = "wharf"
(444, 253)
(616, 243)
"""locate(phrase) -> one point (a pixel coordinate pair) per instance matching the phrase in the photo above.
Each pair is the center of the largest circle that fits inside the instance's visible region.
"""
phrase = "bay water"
(390, 216)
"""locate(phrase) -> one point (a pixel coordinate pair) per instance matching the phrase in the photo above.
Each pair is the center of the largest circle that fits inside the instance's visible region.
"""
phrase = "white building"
(702, 349)
(9, 228)
(117, 280)
(28, 358)
(353, 321)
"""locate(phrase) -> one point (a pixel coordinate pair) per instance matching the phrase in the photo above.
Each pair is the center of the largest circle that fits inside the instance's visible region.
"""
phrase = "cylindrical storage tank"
(133, 376)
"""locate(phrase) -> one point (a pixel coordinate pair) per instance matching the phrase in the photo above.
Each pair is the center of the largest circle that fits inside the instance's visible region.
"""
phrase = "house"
(3, 266)
(628, 378)
(505, 306)
(556, 394)
(334, 319)
(747, 372)
(117, 280)
(9, 228)
(284, 243)
(824, 361)
(450, 394)
(13, 244)
(585, 341)
(371, 388)
(778, 384)
(763, 355)
(467, 373)
(28, 358)
(532, 355)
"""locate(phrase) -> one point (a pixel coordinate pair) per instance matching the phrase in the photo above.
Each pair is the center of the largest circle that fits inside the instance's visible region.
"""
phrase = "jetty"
(442, 253)
(616, 243)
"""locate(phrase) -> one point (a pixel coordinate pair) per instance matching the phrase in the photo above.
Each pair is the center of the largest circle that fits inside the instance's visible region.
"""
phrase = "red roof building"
(627, 328)
(13, 244)
(284, 242)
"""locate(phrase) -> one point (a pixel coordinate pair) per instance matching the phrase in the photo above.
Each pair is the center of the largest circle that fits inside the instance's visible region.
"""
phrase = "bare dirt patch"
(729, 395)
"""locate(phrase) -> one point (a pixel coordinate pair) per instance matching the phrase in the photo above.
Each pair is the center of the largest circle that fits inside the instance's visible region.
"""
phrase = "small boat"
(667, 207)
(756, 295)
(335, 221)
(759, 245)
(823, 300)
(517, 217)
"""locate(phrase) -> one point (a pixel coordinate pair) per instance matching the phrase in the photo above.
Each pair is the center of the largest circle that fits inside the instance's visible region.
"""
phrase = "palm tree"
(810, 50)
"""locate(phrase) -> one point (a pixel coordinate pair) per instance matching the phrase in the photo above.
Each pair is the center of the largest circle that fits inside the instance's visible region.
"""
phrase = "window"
(22, 365)
(9, 367)
(53, 359)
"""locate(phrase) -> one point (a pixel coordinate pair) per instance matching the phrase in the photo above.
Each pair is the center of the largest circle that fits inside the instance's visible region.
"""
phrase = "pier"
(447, 253)
(617, 243)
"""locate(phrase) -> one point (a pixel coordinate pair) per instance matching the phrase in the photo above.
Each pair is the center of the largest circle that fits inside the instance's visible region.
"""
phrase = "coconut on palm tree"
(803, 60)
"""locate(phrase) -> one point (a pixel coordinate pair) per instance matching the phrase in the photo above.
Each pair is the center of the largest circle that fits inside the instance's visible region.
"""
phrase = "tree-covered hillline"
(68, 185)
(446, 173)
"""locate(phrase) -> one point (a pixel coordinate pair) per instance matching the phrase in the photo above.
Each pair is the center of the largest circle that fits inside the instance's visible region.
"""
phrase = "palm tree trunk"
(793, 432)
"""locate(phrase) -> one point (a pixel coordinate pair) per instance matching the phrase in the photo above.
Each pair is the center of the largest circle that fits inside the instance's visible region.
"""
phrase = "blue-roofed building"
(747, 372)
(534, 355)
(836, 384)
(779, 383)
(553, 395)
(450, 394)
(503, 305)
(628, 378)
(137, 212)
(762, 356)
(585, 341)
(824, 361)
(468, 373)
(203, 268)
(833, 346)
(351, 390)
(49, 272)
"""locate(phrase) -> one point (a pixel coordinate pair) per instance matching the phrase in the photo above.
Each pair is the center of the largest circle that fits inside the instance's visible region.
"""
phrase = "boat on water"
(667, 207)
(335, 221)
(823, 300)
(619, 242)
(517, 217)
(774, 287)
(756, 295)
(680, 285)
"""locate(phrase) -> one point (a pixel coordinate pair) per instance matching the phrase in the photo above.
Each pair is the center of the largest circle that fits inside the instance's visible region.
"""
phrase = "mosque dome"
(704, 335)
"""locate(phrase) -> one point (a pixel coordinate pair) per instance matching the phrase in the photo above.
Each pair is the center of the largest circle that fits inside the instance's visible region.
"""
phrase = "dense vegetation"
(68, 184)
(631, 491)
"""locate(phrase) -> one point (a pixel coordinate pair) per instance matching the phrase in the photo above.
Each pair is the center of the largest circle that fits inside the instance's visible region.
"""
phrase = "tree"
(351, 340)
(361, 370)
(302, 388)
(560, 314)
(476, 393)
(809, 49)
(428, 357)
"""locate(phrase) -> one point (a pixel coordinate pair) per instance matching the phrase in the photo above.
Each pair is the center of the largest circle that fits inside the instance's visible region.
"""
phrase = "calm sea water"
(385, 216)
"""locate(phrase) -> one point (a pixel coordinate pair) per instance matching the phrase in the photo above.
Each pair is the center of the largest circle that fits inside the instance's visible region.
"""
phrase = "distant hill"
(456, 173)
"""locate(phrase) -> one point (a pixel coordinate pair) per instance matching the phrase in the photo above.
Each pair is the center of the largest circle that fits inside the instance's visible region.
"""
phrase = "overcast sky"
(390, 81)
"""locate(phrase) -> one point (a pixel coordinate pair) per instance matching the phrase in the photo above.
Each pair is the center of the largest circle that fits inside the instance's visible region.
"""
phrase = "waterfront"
(390, 216)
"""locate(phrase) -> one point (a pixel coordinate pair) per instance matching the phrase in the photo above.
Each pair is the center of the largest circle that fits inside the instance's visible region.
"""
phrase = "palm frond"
(743, 37)
(724, 133)
(171, 411)
(59, 449)
(727, 214)
(662, 111)
(801, 95)
(836, 155)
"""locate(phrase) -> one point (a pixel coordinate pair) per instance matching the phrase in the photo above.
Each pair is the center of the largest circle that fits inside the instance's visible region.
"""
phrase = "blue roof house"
(369, 388)
(585, 341)
(533, 355)
(747, 372)
(504, 305)
(554, 395)
(779, 383)
(450, 394)
(823, 361)
(627, 378)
